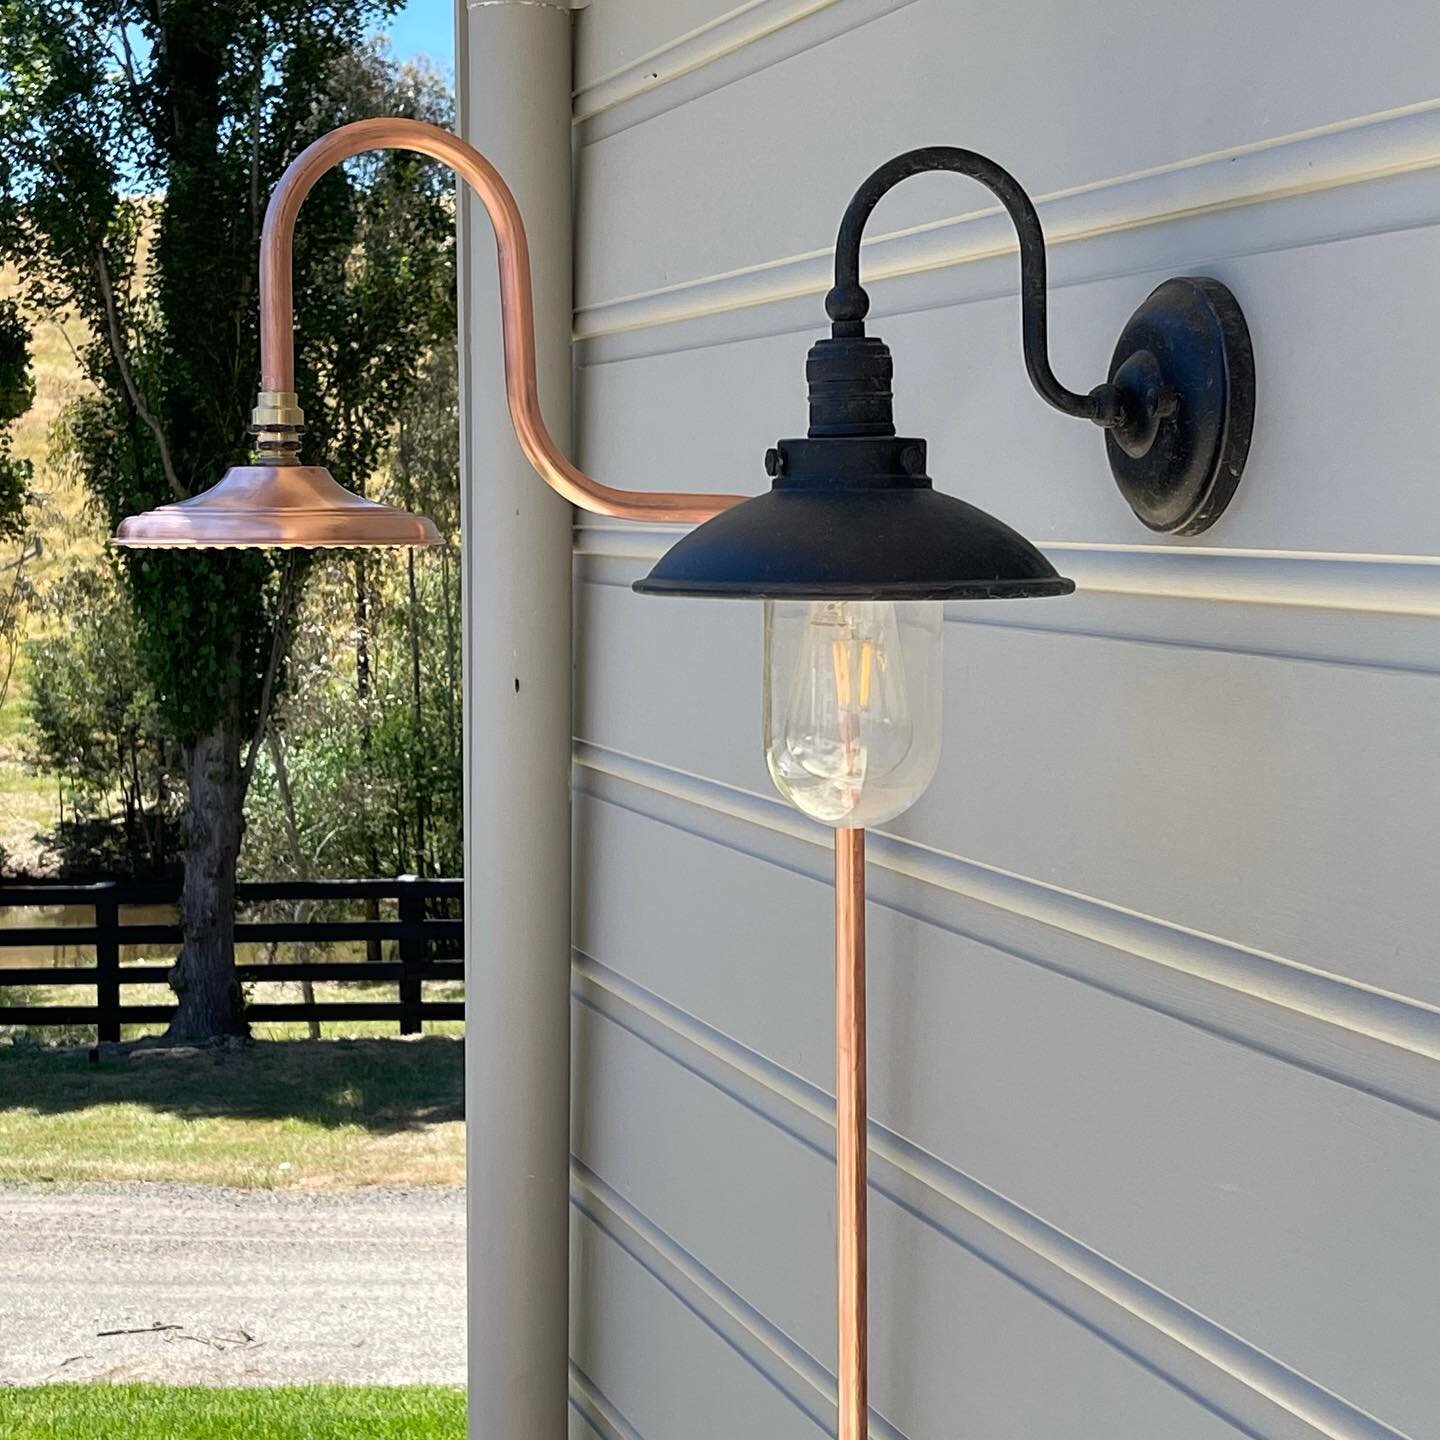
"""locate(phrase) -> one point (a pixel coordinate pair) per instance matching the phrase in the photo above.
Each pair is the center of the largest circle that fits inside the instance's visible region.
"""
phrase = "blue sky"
(420, 27)
(424, 27)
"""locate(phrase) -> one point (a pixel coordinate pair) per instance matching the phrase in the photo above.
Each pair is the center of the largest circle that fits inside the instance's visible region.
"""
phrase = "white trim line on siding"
(1279, 608)
(595, 1409)
(1283, 615)
(789, 1367)
(1359, 1035)
(1219, 1369)
(752, 36)
(1318, 580)
(1350, 152)
(722, 36)
(1127, 593)
(1362, 584)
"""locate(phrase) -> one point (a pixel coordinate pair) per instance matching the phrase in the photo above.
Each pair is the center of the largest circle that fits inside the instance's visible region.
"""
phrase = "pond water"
(14, 917)
(58, 916)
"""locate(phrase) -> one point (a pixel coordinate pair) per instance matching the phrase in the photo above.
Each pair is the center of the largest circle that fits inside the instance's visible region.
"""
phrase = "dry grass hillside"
(27, 800)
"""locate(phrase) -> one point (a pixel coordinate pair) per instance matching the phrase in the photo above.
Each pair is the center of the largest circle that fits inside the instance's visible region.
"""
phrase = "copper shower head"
(280, 502)
(285, 506)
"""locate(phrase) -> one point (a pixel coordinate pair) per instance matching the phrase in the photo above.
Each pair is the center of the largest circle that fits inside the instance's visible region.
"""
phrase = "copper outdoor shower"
(852, 549)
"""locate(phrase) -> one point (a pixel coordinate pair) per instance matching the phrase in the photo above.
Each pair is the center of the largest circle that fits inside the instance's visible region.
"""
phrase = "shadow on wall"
(382, 1086)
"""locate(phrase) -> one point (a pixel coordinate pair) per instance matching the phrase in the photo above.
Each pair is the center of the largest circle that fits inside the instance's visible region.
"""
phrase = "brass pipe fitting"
(277, 422)
(277, 410)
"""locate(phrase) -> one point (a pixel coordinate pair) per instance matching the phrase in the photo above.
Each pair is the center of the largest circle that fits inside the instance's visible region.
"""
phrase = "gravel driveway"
(232, 1287)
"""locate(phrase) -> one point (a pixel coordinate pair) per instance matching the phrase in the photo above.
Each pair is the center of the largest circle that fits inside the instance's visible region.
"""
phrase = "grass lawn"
(280, 991)
(325, 991)
(327, 1114)
(154, 1412)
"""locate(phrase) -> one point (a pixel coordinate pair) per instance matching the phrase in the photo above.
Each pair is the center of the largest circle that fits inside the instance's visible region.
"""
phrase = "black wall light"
(851, 548)
(851, 513)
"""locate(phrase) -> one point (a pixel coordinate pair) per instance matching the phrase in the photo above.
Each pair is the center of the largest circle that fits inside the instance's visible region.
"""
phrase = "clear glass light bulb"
(852, 705)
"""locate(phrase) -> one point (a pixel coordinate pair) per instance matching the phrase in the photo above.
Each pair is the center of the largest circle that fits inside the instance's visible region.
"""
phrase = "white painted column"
(513, 79)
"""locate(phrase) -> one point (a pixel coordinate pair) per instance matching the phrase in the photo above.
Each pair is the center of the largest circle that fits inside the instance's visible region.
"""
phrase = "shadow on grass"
(383, 1086)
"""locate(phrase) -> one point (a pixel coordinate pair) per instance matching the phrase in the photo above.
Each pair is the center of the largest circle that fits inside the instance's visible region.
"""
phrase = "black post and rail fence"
(427, 946)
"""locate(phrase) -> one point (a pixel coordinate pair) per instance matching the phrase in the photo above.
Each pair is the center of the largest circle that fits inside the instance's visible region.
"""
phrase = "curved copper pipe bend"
(277, 305)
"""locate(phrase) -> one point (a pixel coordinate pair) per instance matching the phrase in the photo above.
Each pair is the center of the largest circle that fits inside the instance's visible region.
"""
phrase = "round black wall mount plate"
(1185, 362)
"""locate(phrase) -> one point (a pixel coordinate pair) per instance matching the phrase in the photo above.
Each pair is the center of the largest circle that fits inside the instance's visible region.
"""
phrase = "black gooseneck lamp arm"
(847, 304)
(1178, 406)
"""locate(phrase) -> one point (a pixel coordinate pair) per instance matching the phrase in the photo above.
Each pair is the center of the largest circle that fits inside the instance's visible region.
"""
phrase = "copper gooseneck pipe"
(277, 324)
(278, 415)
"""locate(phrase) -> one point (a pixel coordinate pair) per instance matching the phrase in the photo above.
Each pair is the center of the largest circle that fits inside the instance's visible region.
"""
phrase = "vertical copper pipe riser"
(851, 1142)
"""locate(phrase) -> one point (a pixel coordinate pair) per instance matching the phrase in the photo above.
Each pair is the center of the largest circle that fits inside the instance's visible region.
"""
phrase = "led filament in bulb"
(852, 705)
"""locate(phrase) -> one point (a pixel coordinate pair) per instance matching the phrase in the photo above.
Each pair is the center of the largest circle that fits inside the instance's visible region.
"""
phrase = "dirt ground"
(181, 1285)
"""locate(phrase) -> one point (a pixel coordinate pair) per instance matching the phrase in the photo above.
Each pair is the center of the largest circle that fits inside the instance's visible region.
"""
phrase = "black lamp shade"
(851, 514)
(847, 520)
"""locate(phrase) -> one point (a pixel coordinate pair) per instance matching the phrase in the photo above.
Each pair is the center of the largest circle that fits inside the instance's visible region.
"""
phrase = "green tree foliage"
(17, 394)
(392, 792)
(96, 723)
(353, 782)
(17, 546)
(138, 143)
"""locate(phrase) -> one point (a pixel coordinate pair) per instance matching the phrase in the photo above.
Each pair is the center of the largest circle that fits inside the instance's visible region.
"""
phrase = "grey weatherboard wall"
(1154, 1079)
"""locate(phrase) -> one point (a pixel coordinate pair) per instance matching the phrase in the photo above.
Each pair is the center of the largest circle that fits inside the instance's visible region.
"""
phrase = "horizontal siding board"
(1238, 824)
(1378, 1043)
(944, 1322)
(1375, 612)
(659, 1365)
(756, 36)
(1367, 175)
(1066, 761)
(1290, 1210)
(610, 37)
(705, 715)
(1317, 480)
(935, 72)
(1313, 630)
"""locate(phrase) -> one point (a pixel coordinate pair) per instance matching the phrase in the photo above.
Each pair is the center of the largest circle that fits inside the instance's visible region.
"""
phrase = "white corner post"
(513, 78)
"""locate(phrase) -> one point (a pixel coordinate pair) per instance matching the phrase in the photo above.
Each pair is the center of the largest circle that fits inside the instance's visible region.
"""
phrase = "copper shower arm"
(277, 306)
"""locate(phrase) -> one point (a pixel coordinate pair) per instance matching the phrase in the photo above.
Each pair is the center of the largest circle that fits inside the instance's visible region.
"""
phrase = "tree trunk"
(452, 668)
(301, 863)
(203, 978)
(362, 694)
(417, 719)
